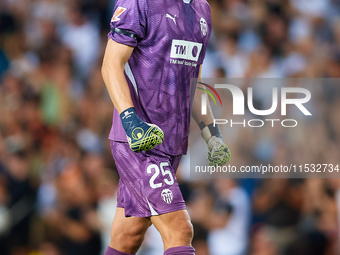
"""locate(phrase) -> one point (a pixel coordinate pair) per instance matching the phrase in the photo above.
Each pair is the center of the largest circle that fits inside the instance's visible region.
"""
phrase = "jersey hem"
(121, 140)
(117, 139)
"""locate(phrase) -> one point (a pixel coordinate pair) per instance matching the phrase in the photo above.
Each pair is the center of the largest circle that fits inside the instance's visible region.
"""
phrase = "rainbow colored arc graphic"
(209, 93)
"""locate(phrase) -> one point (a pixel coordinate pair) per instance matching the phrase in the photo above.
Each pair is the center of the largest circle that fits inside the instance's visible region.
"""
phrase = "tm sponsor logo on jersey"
(185, 50)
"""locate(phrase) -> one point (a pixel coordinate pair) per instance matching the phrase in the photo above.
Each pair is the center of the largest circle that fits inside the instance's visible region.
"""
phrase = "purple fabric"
(141, 192)
(181, 250)
(173, 37)
(111, 251)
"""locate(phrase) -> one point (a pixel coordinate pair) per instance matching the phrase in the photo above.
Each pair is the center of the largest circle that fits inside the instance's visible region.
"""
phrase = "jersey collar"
(187, 1)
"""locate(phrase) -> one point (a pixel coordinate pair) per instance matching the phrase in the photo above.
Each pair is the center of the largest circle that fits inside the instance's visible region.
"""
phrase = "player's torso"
(171, 49)
(175, 36)
(178, 28)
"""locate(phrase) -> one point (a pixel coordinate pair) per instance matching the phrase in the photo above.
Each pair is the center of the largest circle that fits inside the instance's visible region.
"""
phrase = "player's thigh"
(174, 227)
(128, 228)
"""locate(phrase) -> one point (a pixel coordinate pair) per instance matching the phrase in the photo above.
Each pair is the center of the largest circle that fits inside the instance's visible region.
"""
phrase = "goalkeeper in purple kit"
(154, 49)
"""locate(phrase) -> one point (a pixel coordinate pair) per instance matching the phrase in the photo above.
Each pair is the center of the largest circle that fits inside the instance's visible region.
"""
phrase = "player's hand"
(219, 153)
(140, 135)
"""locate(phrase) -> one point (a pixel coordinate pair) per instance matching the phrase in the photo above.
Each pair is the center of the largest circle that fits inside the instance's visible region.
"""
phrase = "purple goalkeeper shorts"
(147, 184)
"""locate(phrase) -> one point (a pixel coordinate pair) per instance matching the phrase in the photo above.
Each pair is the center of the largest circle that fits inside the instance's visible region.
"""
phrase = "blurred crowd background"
(57, 176)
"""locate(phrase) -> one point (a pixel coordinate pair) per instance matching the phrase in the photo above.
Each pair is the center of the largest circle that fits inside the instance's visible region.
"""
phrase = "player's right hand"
(140, 135)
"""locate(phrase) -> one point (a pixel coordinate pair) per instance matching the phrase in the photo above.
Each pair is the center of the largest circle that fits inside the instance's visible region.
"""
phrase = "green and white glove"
(141, 136)
(219, 153)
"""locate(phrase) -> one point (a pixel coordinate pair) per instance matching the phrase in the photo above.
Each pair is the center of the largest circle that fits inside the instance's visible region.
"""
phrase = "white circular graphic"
(204, 26)
(167, 196)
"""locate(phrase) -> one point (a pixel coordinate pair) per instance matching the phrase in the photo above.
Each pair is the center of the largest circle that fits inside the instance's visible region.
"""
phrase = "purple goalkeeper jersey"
(169, 39)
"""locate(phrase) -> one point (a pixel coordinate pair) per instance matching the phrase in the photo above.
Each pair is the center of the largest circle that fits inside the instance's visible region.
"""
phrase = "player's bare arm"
(116, 55)
(140, 135)
(219, 154)
(208, 118)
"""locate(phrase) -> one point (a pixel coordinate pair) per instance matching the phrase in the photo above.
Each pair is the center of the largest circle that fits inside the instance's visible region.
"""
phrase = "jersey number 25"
(169, 180)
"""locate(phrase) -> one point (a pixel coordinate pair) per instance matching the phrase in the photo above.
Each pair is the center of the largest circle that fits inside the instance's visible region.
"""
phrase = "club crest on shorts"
(167, 196)
(204, 26)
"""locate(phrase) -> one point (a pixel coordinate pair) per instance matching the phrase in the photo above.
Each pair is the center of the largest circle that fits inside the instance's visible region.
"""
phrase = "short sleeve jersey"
(170, 38)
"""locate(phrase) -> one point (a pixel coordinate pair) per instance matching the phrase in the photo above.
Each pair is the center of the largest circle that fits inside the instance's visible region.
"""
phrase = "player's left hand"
(219, 153)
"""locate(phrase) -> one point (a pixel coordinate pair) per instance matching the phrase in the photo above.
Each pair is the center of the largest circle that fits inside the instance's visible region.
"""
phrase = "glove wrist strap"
(207, 131)
(128, 117)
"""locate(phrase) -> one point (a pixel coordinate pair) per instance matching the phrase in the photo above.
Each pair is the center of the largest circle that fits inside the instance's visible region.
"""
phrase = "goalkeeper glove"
(218, 154)
(140, 135)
